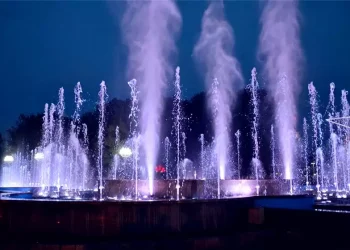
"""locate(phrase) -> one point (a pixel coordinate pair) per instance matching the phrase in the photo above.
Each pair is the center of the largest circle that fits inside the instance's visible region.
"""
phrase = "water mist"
(281, 53)
(150, 29)
(213, 52)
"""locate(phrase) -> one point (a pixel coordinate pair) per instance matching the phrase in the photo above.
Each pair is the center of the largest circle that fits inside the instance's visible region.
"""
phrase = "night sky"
(45, 45)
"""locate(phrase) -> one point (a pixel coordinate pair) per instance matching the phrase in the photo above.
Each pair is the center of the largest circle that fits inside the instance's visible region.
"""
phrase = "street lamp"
(125, 152)
(9, 158)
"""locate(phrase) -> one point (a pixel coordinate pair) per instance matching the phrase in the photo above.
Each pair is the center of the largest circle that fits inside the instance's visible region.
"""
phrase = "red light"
(160, 169)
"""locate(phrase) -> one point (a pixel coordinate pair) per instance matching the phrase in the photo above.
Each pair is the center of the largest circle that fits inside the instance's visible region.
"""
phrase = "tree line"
(26, 134)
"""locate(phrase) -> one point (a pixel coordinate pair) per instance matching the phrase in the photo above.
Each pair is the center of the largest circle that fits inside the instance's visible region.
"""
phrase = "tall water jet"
(331, 105)
(116, 158)
(314, 111)
(45, 168)
(273, 155)
(45, 128)
(49, 148)
(333, 135)
(133, 116)
(202, 142)
(305, 152)
(85, 161)
(253, 87)
(345, 123)
(183, 134)
(215, 110)
(150, 29)
(281, 51)
(319, 155)
(78, 103)
(342, 166)
(348, 162)
(60, 146)
(52, 122)
(177, 126)
(77, 167)
(345, 112)
(167, 147)
(101, 130)
(238, 143)
(213, 52)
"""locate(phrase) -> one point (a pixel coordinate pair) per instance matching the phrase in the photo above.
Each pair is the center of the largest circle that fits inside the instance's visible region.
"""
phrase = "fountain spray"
(167, 146)
(60, 147)
(215, 110)
(86, 148)
(133, 116)
(273, 155)
(116, 156)
(183, 154)
(78, 103)
(46, 129)
(314, 111)
(305, 149)
(51, 127)
(346, 113)
(254, 85)
(213, 52)
(150, 29)
(101, 129)
(238, 137)
(45, 168)
(319, 152)
(281, 51)
(51, 122)
(177, 127)
(202, 142)
(333, 135)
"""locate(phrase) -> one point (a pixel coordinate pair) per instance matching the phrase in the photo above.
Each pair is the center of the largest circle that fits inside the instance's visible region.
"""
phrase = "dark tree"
(26, 134)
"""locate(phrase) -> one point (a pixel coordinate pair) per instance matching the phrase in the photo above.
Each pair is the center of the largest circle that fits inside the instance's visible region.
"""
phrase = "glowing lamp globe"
(125, 152)
(9, 158)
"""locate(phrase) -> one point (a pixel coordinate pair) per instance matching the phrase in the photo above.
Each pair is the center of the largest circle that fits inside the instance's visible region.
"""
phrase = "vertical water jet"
(150, 29)
(101, 130)
(214, 54)
(282, 55)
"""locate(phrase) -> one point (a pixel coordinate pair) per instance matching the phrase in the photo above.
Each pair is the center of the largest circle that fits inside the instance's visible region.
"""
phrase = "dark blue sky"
(45, 45)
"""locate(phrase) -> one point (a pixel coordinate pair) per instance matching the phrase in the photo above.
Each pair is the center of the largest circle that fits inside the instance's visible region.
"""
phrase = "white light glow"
(9, 158)
(39, 156)
(125, 152)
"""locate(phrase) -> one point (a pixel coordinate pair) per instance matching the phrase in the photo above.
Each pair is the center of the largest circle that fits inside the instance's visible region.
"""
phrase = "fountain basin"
(195, 189)
(71, 220)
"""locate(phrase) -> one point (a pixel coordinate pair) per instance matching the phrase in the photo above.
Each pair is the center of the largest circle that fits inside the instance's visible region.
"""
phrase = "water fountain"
(135, 137)
(101, 129)
(167, 147)
(306, 153)
(177, 116)
(62, 167)
(272, 143)
(319, 151)
(255, 105)
(238, 142)
(202, 142)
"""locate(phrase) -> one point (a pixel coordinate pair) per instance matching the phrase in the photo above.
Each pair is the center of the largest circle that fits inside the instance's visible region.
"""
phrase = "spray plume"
(150, 28)
(282, 55)
(213, 52)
